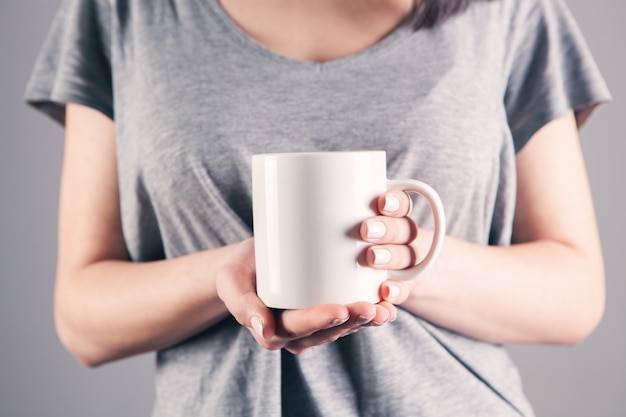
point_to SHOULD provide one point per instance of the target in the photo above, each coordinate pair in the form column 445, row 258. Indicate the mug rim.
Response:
column 316, row 153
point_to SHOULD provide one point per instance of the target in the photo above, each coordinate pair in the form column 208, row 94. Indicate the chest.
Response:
column 317, row 31
column 201, row 99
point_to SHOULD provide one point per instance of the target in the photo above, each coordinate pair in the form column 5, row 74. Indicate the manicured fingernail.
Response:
column 392, row 203
column 257, row 325
column 363, row 320
column 382, row 256
column 394, row 292
column 338, row 322
column 375, row 229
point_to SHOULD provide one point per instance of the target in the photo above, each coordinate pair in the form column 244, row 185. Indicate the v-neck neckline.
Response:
column 402, row 31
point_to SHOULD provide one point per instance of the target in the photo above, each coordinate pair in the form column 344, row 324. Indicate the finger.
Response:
column 383, row 314
column 394, row 292
column 395, row 203
column 391, row 257
column 362, row 315
column 236, row 287
column 382, row 229
column 296, row 324
column 393, row 310
column 245, row 306
column 319, row 338
column 358, row 314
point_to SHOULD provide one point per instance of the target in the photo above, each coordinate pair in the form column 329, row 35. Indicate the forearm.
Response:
column 112, row 309
column 537, row 292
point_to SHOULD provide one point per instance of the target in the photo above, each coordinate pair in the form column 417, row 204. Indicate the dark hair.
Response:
column 429, row 13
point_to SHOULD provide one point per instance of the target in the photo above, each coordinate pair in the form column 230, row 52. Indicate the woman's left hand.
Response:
column 394, row 241
column 547, row 286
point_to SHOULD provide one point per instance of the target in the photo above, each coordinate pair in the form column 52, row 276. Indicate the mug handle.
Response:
column 434, row 201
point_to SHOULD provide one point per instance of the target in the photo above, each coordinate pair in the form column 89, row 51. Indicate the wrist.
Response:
column 201, row 270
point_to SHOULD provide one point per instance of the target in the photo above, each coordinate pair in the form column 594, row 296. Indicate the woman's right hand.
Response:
column 294, row 330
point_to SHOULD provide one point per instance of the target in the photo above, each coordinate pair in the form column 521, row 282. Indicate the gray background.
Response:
column 37, row 376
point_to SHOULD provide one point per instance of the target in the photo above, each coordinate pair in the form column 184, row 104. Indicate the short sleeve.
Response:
column 74, row 64
column 551, row 70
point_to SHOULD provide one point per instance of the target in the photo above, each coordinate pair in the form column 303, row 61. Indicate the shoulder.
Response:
column 516, row 12
column 531, row 13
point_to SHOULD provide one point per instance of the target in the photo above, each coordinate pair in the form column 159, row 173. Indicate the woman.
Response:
column 163, row 104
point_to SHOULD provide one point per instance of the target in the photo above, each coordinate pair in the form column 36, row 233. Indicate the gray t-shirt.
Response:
column 193, row 97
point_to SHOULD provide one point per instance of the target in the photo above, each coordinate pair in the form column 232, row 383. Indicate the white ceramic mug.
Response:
column 306, row 207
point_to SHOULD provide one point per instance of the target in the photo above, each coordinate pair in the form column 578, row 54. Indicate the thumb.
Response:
column 236, row 287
